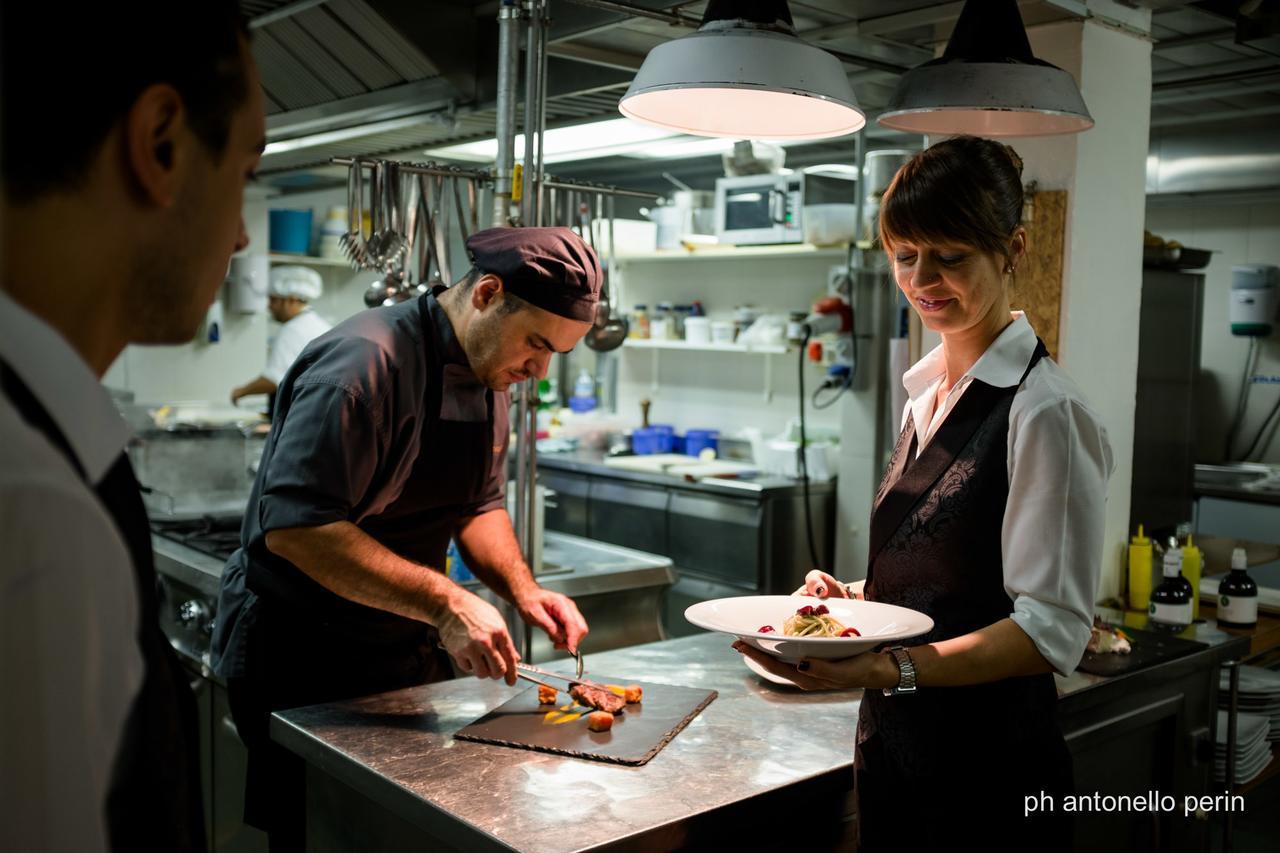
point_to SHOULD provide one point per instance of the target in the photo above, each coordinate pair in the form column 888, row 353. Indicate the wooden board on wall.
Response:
column 1037, row 286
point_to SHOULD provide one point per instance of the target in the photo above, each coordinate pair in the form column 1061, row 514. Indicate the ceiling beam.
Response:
column 416, row 98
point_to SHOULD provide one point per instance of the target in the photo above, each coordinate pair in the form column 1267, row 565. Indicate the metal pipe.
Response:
column 508, row 79
column 538, row 174
column 440, row 170
column 600, row 188
column 532, row 139
column 676, row 17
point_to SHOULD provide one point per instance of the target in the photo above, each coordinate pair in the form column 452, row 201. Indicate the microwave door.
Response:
column 750, row 214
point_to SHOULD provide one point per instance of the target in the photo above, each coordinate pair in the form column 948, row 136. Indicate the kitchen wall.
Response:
column 725, row 391
column 719, row 390
column 208, row 371
column 1237, row 233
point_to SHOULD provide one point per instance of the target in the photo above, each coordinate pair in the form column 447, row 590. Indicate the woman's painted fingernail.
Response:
column 803, row 666
column 820, row 590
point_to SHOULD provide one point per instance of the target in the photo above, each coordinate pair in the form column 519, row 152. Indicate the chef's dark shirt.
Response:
column 380, row 422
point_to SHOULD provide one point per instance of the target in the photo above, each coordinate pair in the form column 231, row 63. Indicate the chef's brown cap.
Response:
column 551, row 268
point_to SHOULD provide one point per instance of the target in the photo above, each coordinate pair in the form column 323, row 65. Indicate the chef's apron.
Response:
column 955, row 759
column 333, row 649
column 154, row 800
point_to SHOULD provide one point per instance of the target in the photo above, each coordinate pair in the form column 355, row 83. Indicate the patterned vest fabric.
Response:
column 936, row 548
column 154, row 801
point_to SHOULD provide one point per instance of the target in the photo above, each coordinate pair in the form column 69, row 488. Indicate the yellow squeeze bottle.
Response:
column 1192, row 562
column 1139, row 571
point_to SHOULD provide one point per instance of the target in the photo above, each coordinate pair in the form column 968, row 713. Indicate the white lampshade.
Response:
column 744, row 83
column 987, row 99
column 987, row 83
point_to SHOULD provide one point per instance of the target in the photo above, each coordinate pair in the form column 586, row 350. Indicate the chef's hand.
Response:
column 236, row 394
column 867, row 670
column 823, row 585
column 475, row 634
column 554, row 613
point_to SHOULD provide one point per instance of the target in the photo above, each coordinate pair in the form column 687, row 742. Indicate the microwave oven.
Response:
column 754, row 210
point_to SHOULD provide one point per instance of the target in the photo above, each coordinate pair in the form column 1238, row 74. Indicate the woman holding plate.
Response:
column 989, row 520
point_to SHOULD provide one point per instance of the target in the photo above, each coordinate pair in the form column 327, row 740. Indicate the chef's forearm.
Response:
column 261, row 385
column 998, row 651
column 348, row 562
column 488, row 544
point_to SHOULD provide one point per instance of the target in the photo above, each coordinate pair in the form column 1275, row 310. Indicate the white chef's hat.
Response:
column 299, row 282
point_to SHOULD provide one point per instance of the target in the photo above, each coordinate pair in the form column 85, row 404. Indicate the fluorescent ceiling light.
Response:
column 987, row 83
column 744, row 75
column 564, row 144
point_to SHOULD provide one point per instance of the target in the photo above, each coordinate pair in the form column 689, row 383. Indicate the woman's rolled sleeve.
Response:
column 1054, row 526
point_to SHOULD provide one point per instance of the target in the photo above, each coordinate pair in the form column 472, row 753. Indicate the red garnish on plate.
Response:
column 850, row 632
column 807, row 610
column 821, row 610
column 765, row 629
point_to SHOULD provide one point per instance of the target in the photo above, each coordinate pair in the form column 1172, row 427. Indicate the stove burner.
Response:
column 217, row 536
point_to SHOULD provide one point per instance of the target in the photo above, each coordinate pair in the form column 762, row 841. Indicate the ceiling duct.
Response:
column 1203, row 159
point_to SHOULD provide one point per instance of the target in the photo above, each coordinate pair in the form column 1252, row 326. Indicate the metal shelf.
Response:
column 729, row 253
column 309, row 260
column 656, row 344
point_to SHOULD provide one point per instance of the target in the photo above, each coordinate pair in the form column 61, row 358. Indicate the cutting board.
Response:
column 653, row 463
column 637, row 735
column 1149, row 648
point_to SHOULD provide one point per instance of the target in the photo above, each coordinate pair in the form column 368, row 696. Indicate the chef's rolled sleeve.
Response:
column 1052, row 539
column 325, row 457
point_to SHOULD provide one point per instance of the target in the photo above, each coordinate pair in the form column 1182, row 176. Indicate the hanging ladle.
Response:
column 609, row 335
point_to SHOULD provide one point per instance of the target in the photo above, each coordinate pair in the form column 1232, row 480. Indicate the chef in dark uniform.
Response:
column 390, row 439
column 990, row 519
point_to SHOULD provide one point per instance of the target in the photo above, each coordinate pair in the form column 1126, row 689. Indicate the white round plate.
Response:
column 766, row 674
column 743, row 616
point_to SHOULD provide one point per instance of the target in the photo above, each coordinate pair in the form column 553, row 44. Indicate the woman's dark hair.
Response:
column 963, row 190
column 70, row 74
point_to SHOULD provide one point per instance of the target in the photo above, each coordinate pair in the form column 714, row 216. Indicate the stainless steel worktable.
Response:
column 769, row 752
column 758, row 762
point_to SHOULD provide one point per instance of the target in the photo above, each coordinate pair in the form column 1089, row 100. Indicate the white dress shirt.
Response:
column 291, row 340
column 70, row 665
column 1059, row 463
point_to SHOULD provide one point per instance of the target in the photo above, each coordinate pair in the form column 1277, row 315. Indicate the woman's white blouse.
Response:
column 1059, row 464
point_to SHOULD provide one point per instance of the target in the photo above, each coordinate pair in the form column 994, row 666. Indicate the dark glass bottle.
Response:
column 1238, row 595
column 1172, row 601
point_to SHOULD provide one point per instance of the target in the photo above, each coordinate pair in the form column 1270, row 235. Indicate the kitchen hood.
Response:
column 387, row 77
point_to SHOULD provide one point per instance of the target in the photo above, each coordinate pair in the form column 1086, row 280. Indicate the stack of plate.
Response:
column 1253, row 751
column 1259, row 695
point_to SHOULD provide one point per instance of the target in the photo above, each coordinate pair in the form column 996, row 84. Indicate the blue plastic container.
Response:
column 666, row 437
column 659, row 438
column 697, row 440
column 290, row 231
column 644, row 441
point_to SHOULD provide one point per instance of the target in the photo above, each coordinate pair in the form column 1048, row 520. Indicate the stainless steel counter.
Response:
column 592, row 462
column 753, row 741
column 741, row 763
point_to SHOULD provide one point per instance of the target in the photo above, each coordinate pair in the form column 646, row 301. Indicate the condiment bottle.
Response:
column 1238, row 595
column 640, row 322
column 1192, row 562
column 1171, row 601
column 1139, row 571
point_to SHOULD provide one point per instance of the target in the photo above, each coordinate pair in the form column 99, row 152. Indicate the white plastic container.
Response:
column 722, row 332
column 829, row 224
column 697, row 330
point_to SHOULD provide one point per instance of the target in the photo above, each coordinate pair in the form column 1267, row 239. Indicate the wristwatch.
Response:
column 906, row 671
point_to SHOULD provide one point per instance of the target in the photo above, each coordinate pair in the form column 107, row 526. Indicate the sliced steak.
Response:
column 601, row 700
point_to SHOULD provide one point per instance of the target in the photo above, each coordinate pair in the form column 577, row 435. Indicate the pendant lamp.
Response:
column 987, row 83
column 745, row 75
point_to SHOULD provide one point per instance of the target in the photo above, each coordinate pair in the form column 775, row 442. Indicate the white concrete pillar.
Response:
column 1103, row 172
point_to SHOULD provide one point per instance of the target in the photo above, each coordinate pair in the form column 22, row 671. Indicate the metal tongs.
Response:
column 526, row 671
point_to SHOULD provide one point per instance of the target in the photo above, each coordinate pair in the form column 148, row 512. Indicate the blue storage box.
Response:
column 290, row 231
